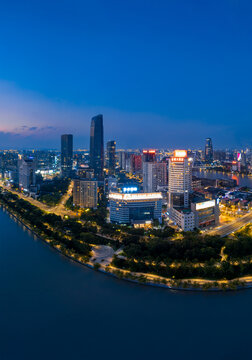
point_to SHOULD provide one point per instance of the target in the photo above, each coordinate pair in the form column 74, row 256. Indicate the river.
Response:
column 242, row 180
column 53, row 308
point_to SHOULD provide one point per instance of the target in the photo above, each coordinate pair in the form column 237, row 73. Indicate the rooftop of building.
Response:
column 135, row 196
column 84, row 179
column 198, row 197
column 183, row 210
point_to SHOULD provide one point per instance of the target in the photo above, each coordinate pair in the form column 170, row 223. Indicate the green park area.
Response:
column 158, row 251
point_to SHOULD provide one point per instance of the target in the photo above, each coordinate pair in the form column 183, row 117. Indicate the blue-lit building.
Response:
column 135, row 208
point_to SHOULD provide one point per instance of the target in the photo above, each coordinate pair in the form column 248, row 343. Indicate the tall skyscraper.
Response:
column 111, row 157
column 149, row 158
column 154, row 173
column 66, row 155
column 155, row 176
column 186, row 211
column 97, row 146
column 209, row 150
column 149, row 155
column 136, row 163
column 26, row 174
column 122, row 156
column 180, row 180
column 161, row 170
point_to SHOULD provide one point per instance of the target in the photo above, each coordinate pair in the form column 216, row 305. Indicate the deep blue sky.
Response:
column 164, row 73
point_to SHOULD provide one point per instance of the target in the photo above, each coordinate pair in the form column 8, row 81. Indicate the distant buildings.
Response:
column 122, row 157
column 136, row 208
column 154, row 173
column 26, row 174
column 220, row 155
column 136, row 163
column 66, row 155
column 85, row 173
column 149, row 156
column 97, row 146
column 110, row 184
column 85, row 193
column 149, row 183
column 209, row 150
column 111, row 157
column 161, row 175
column 149, row 159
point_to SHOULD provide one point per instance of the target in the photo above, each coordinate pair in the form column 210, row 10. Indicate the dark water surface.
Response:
column 52, row 308
column 242, row 180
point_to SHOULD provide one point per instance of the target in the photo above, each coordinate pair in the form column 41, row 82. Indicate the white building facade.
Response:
column 180, row 180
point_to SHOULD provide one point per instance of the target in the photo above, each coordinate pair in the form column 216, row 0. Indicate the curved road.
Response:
column 232, row 227
column 59, row 209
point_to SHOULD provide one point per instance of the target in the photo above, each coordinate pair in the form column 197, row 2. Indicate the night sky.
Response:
column 164, row 73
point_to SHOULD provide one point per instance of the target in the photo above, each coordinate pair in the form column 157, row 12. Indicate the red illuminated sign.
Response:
column 149, row 151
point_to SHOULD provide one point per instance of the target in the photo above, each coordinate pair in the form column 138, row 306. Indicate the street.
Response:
column 232, row 227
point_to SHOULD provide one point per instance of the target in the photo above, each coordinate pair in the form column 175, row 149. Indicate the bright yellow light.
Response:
column 180, row 153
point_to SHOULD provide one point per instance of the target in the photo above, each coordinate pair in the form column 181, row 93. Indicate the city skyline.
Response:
column 181, row 72
column 125, row 179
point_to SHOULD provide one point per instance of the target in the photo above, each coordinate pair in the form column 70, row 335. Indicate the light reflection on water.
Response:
column 242, row 180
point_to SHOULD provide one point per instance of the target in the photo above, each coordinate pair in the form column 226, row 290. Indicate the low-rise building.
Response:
column 206, row 213
column 202, row 214
column 183, row 218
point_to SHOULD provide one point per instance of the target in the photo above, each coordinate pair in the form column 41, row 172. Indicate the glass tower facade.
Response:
column 111, row 157
column 209, row 150
column 97, row 146
column 66, row 155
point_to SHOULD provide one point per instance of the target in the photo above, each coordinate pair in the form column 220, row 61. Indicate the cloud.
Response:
column 28, row 119
column 27, row 130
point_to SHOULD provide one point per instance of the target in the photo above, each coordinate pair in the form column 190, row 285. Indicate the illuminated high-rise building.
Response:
column 26, row 173
column 154, row 173
column 97, row 146
column 85, row 193
column 161, row 170
column 122, row 157
column 149, row 159
column 209, row 150
column 185, row 210
column 66, row 155
column 111, row 157
column 136, row 163
column 149, row 155
column 180, row 180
